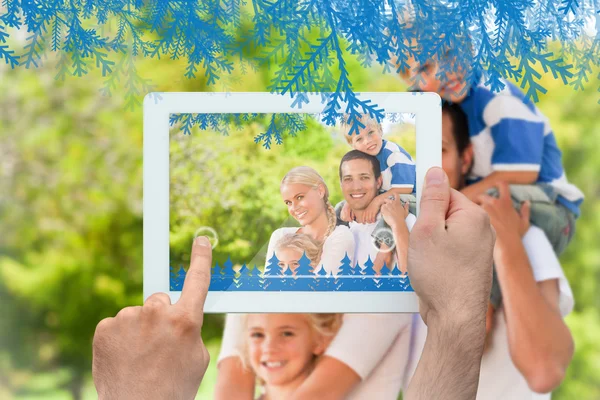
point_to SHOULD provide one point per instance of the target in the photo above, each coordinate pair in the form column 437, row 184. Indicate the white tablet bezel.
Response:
column 158, row 107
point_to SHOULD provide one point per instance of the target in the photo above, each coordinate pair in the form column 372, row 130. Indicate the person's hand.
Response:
column 346, row 214
column 394, row 211
column 370, row 214
column 450, row 256
column 505, row 219
column 471, row 193
column 155, row 351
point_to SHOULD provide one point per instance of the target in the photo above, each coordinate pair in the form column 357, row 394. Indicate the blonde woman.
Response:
column 306, row 196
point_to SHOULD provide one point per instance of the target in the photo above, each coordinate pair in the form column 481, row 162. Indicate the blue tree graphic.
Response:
column 179, row 279
column 385, row 280
column 253, row 279
column 228, row 276
column 216, row 278
column 321, row 281
column 172, row 276
column 345, row 273
column 368, row 282
column 242, row 281
column 288, row 280
column 396, row 274
column 304, row 274
column 272, row 274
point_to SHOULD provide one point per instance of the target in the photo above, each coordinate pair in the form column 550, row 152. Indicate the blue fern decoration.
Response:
column 307, row 43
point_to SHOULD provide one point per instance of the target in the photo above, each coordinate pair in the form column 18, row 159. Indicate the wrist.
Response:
column 507, row 243
column 465, row 330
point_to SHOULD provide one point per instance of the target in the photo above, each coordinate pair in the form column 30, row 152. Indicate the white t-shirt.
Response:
column 339, row 243
column 375, row 346
column 499, row 379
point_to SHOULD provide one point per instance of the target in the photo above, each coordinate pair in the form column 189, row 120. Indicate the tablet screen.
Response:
column 292, row 204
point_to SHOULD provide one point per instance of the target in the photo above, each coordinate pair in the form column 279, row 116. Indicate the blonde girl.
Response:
column 282, row 349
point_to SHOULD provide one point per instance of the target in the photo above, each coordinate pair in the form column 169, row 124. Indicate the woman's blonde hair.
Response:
column 324, row 325
column 302, row 243
column 309, row 177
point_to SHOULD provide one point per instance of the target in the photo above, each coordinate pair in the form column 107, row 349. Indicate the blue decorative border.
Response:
column 273, row 278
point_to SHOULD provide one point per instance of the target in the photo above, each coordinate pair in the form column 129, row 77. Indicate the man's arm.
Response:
column 540, row 343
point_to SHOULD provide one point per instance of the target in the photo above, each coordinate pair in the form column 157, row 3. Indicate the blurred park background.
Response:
column 71, row 217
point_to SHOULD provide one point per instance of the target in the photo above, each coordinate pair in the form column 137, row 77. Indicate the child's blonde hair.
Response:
column 302, row 243
column 309, row 177
column 325, row 325
column 365, row 119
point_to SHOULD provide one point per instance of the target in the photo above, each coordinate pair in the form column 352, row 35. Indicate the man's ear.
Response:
column 379, row 182
column 466, row 160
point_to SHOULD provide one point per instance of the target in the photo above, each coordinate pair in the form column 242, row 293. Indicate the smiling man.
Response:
column 361, row 179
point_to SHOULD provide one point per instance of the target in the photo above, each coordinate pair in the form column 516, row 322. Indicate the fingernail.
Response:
column 202, row 241
column 435, row 176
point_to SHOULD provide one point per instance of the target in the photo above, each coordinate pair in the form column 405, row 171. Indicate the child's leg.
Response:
column 557, row 222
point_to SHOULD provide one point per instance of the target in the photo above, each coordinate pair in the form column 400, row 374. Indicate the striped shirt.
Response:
column 398, row 169
column 509, row 133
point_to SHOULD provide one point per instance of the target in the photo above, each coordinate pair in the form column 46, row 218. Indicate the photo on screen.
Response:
column 292, row 204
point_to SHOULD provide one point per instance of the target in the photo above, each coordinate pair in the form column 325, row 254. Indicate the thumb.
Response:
column 434, row 200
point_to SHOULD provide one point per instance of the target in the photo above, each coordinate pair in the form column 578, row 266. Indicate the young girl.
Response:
column 282, row 349
column 290, row 247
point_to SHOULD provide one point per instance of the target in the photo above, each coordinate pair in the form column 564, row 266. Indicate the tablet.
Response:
column 298, row 211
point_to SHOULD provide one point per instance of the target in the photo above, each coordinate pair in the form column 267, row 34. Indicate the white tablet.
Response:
column 292, row 205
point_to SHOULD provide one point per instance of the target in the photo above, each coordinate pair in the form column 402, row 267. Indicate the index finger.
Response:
column 197, row 280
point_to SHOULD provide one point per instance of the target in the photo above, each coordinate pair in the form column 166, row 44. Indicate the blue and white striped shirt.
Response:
column 509, row 133
column 398, row 169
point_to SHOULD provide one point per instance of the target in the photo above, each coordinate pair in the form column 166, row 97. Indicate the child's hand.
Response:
column 394, row 212
column 346, row 215
column 370, row 214
column 504, row 218
column 472, row 193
